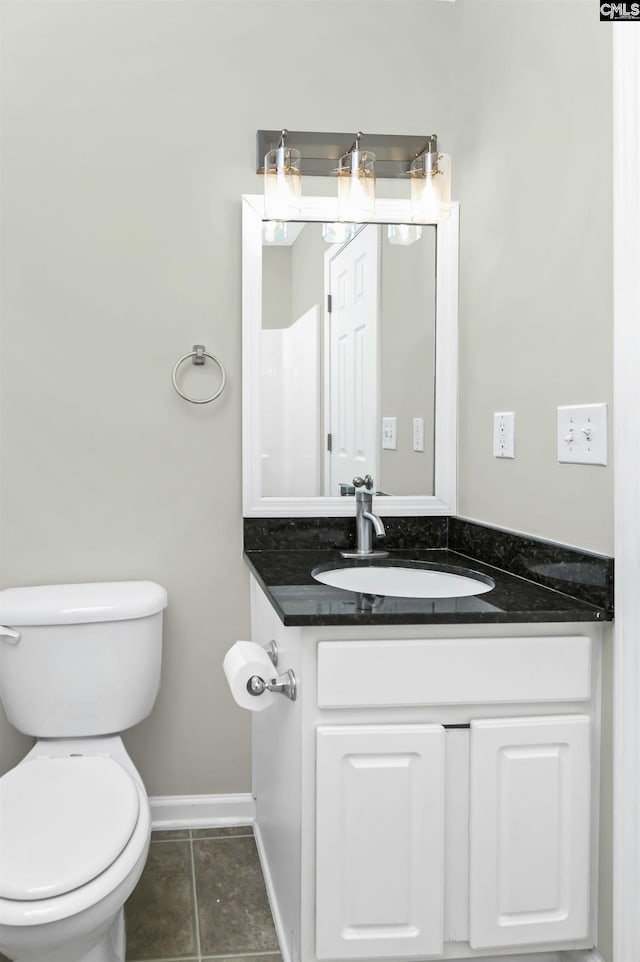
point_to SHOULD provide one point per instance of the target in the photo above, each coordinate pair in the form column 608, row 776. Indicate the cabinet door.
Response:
column 380, row 841
column 530, row 832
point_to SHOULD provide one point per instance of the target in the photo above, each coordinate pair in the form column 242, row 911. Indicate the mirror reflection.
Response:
column 347, row 358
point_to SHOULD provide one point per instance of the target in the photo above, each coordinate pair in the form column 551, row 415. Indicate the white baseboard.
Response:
column 201, row 811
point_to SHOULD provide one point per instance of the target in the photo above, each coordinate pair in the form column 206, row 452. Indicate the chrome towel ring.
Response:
column 198, row 354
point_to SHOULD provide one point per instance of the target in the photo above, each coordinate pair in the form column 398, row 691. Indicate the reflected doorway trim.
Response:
column 626, row 310
column 322, row 209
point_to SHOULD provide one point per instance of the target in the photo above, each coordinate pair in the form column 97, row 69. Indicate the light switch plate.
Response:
column 504, row 434
column 582, row 434
column 390, row 434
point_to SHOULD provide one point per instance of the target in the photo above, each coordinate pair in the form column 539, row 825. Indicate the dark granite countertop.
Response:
column 284, row 573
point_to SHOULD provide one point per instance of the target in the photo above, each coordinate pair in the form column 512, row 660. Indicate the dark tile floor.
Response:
column 201, row 896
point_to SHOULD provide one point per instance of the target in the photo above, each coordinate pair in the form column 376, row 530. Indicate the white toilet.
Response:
column 78, row 664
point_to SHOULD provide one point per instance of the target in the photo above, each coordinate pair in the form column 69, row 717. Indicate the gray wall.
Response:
column 408, row 360
column 533, row 88
column 128, row 138
column 276, row 287
column 307, row 272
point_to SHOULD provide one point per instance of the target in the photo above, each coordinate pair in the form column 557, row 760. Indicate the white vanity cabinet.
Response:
column 432, row 792
column 381, row 856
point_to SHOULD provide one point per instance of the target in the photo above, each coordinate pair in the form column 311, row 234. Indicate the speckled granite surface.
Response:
column 269, row 534
column 578, row 573
column 535, row 581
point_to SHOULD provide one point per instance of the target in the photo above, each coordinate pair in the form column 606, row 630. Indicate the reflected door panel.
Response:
column 352, row 380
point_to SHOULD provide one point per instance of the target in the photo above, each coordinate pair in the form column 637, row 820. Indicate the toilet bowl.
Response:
column 75, row 822
column 97, row 829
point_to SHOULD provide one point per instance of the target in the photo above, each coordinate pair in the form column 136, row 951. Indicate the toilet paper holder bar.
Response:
column 284, row 684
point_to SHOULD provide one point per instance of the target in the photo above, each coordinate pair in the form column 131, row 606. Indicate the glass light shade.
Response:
column 273, row 231
column 356, row 186
column 338, row 233
column 430, row 187
column 403, row 234
column 282, row 184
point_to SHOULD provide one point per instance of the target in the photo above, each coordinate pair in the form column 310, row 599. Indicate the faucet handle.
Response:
column 366, row 482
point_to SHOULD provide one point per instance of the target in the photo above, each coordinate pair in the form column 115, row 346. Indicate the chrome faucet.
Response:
column 367, row 523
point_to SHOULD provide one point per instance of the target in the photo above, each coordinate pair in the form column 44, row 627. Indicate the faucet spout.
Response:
column 368, row 524
column 378, row 526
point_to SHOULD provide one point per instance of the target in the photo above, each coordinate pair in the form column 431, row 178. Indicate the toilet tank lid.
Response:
column 81, row 603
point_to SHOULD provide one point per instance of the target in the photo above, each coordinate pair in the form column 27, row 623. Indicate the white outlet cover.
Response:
column 504, row 434
column 390, row 434
column 582, row 434
column 418, row 434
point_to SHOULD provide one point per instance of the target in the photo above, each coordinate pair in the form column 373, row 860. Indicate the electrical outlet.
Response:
column 390, row 434
column 418, row 434
column 504, row 434
column 582, row 434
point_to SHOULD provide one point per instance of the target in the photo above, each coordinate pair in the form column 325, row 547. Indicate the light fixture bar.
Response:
column 322, row 151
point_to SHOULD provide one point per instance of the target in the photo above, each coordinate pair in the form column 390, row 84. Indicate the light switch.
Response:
column 582, row 434
column 390, row 434
column 504, row 434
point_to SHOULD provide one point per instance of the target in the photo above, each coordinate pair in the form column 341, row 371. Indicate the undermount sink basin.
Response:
column 403, row 581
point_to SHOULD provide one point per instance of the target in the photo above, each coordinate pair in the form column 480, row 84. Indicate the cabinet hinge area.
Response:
column 329, row 442
column 329, row 303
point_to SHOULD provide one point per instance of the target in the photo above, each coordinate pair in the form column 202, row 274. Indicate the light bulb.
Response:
column 430, row 187
column 282, row 183
column 356, row 186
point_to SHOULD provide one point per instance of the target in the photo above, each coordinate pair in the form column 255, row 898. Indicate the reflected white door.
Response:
column 354, row 409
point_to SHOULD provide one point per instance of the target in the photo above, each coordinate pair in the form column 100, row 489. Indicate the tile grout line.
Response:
column 195, row 898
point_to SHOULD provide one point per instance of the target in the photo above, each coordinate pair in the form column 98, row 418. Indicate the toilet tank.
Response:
column 87, row 659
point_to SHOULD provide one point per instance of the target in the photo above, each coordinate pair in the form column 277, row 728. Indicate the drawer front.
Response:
column 453, row 671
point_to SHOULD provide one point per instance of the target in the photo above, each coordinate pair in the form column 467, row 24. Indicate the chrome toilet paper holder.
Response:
column 284, row 684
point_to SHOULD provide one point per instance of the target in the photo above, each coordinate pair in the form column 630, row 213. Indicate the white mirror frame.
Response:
column 443, row 501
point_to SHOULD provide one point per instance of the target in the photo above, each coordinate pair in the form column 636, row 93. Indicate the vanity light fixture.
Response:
column 430, row 174
column 320, row 154
column 356, row 184
column 403, row 234
column 282, row 181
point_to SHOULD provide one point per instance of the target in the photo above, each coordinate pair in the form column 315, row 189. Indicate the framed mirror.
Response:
column 349, row 361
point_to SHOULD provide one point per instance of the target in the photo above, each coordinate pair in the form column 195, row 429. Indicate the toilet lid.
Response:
column 63, row 821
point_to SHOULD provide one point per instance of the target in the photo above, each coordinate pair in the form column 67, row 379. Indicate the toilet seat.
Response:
column 65, row 820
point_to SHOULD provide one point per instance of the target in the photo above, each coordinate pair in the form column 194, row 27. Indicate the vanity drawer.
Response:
column 453, row 671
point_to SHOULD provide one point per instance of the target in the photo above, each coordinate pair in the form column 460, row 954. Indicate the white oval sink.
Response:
column 402, row 582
